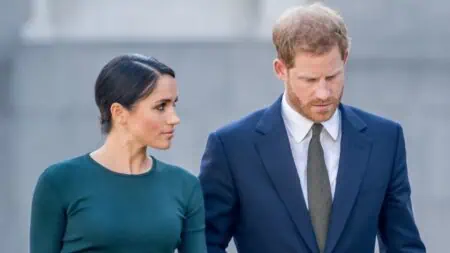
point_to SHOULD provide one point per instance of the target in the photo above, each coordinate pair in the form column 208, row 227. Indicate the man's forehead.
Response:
column 305, row 71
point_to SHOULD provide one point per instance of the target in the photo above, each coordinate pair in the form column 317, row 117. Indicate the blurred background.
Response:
column 52, row 50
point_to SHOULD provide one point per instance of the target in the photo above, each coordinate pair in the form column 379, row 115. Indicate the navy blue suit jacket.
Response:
column 252, row 191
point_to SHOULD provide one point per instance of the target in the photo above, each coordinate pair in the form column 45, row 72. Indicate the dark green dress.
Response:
column 80, row 206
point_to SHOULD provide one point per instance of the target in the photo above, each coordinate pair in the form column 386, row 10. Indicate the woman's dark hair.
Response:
column 126, row 79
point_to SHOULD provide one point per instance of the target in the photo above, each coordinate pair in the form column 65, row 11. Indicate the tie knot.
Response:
column 316, row 129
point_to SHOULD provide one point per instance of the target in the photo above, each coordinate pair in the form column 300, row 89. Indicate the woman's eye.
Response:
column 161, row 107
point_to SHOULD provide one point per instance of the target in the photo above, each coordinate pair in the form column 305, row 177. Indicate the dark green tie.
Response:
column 319, row 191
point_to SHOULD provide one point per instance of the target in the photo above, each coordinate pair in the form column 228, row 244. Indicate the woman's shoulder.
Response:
column 182, row 181
column 64, row 169
column 177, row 172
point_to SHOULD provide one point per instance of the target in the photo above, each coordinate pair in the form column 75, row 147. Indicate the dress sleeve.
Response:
column 193, row 235
column 48, row 219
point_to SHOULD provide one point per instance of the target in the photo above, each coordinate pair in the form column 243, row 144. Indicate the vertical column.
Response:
column 39, row 25
column 8, row 218
column 141, row 20
column 270, row 10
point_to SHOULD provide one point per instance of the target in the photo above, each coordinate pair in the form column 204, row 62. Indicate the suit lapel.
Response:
column 355, row 151
column 274, row 149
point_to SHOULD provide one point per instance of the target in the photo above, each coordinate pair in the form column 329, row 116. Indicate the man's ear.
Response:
column 280, row 69
column 345, row 58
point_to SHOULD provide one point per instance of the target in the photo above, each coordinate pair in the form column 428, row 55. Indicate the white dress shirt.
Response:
column 299, row 133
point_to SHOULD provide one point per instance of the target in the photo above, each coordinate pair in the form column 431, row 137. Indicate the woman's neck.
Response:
column 123, row 156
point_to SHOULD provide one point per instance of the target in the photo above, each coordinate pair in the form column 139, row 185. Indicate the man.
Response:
column 308, row 173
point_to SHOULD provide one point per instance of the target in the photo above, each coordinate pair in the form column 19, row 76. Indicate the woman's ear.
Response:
column 118, row 113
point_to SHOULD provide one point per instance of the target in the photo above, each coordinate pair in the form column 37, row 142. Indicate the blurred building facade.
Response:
column 52, row 50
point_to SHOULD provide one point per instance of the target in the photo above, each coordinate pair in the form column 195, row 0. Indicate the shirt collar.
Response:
column 298, row 126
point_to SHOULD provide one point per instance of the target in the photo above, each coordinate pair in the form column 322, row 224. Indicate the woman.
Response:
column 117, row 198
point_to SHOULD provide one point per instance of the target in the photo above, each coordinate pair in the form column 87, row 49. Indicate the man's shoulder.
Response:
column 371, row 118
column 243, row 125
column 377, row 125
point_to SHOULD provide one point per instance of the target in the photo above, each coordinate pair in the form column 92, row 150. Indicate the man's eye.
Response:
column 329, row 78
